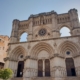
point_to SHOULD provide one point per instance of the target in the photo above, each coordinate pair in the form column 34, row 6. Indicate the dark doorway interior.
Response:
column 47, row 67
column 40, row 68
column 70, row 67
column 20, row 68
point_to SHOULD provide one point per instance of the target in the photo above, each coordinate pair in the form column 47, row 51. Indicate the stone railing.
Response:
column 78, row 71
column 30, row 72
column 58, row 71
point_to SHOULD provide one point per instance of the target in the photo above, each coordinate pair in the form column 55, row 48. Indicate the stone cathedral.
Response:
column 45, row 55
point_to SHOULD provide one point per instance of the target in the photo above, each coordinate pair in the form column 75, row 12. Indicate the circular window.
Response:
column 67, row 52
column 42, row 32
column 21, row 56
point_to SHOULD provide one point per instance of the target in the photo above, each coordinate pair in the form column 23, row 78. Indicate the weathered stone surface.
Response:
column 44, row 43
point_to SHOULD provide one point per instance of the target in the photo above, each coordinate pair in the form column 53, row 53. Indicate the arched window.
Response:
column 65, row 32
column 23, row 37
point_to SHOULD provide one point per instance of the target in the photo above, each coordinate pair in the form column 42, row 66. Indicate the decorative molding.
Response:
column 6, row 59
column 56, row 55
column 29, row 57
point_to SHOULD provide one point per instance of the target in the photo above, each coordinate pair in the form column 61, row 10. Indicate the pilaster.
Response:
column 56, row 33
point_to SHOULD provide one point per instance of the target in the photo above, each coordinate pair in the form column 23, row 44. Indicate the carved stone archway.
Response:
column 44, row 61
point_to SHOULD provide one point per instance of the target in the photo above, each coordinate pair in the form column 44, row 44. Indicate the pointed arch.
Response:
column 23, row 37
column 16, row 52
column 68, row 45
column 39, row 47
column 67, row 25
column 64, row 31
column 20, row 33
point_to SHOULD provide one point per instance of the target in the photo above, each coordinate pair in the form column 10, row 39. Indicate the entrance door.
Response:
column 20, row 68
column 40, row 68
column 47, row 67
column 70, row 67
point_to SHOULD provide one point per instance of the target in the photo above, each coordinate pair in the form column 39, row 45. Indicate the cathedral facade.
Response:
column 45, row 54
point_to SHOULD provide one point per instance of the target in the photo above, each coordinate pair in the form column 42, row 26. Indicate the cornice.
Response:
column 45, row 39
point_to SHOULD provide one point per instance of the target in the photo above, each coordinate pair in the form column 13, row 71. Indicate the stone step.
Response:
column 72, row 78
column 48, row 78
column 42, row 78
column 20, row 78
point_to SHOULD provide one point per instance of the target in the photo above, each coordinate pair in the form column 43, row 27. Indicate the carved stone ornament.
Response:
column 42, row 32
column 29, row 46
column 55, row 45
column 7, row 58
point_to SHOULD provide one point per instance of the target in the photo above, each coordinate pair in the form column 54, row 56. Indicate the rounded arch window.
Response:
column 23, row 37
column 42, row 32
column 68, row 52
column 21, row 56
column 64, row 31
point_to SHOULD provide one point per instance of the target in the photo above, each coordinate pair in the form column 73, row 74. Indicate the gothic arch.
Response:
column 68, row 45
column 21, row 32
column 16, row 52
column 64, row 25
column 39, row 47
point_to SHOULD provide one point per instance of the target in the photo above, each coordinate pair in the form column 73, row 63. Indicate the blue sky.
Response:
column 22, row 9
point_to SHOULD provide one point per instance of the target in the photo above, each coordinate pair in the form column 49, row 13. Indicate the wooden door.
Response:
column 40, row 68
column 70, row 67
column 47, row 67
column 20, row 68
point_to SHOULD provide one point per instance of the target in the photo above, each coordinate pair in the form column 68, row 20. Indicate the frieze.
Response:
column 29, row 57
column 56, row 55
column 7, row 58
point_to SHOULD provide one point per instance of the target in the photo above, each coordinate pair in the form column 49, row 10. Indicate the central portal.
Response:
column 43, row 68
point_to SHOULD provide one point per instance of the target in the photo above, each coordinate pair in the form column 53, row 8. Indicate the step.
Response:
column 20, row 78
column 48, row 78
column 42, row 78
column 72, row 78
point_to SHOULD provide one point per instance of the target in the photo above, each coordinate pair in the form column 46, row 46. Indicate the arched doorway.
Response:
column 42, row 51
column 70, row 67
column 47, row 67
column 40, row 68
column 20, row 68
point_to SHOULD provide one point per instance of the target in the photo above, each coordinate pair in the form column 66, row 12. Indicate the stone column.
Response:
column 27, row 67
column 56, row 33
column 30, row 29
column 43, row 67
